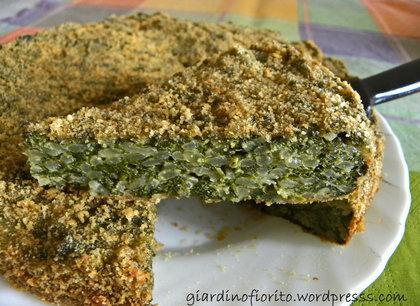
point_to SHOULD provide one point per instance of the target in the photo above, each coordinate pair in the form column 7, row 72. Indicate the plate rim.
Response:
column 406, row 204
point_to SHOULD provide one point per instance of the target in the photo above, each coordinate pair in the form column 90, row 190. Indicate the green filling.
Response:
column 308, row 169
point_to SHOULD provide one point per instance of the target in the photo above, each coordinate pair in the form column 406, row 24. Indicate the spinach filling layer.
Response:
column 311, row 168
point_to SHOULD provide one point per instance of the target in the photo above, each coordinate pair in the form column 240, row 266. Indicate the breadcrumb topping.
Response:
column 269, row 90
column 75, row 249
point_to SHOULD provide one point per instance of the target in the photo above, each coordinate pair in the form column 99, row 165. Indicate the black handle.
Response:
column 394, row 83
column 389, row 85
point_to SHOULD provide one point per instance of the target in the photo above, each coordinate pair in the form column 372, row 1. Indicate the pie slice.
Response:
column 44, row 75
column 265, row 123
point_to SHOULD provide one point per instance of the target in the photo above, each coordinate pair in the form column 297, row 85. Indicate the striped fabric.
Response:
column 368, row 35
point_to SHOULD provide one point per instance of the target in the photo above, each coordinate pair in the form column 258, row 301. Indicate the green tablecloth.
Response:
column 368, row 35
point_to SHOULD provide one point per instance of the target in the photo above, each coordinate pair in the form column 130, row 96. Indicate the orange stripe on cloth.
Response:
column 131, row 4
column 283, row 10
column 17, row 33
column 205, row 6
column 396, row 17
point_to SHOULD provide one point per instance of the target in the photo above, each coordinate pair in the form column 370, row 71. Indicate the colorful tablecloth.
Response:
column 368, row 35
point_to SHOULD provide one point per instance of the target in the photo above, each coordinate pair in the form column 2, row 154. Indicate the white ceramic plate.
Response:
column 230, row 249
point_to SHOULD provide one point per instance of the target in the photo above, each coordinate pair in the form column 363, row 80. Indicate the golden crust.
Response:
column 269, row 90
column 75, row 249
column 367, row 185
column 336, row 66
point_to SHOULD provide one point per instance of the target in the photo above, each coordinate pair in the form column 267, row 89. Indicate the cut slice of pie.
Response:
column 75, row 249
column 265, row 123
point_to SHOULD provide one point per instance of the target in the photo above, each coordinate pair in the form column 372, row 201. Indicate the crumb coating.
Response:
column 75, row 249
column 268, row 90
column 334, row 65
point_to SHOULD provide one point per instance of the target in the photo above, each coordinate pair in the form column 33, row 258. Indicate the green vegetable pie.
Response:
column 273, row 123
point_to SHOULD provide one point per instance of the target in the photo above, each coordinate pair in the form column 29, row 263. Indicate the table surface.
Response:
column 368, row 35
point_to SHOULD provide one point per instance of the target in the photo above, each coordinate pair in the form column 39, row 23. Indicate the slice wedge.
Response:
column 265, row 123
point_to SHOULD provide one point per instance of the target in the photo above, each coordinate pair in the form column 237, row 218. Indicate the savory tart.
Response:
column 46, row 248
column 56, row 73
